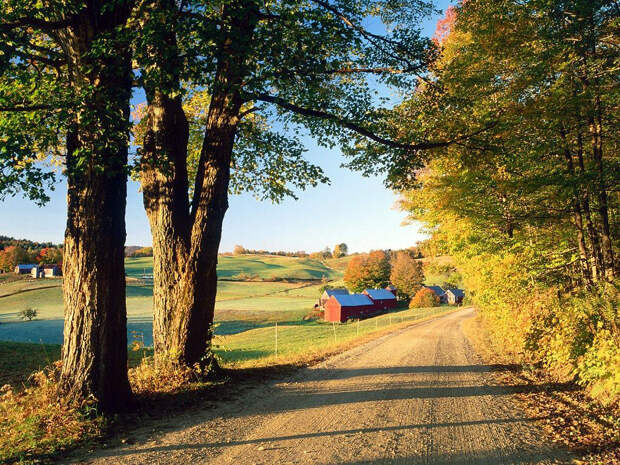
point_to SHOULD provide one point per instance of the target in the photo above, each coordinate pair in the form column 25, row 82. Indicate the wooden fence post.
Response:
column 276, row 339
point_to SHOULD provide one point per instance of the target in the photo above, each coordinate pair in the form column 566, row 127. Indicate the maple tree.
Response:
column 406, row 274
column 368, row 271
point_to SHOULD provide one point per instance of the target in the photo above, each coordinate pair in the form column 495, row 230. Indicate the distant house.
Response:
column 392, row 289
column 330, row 292
column 342, row 307
column 24, row 269
column 455, row 296
column 46, row 271
column 439, row 292
column 382, row 298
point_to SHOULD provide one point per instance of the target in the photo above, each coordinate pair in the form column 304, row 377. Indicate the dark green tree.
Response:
column 298, row 66
column 65, row 86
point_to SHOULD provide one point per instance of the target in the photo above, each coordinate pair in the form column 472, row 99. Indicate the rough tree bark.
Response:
column 186, row 240
column 94, row 358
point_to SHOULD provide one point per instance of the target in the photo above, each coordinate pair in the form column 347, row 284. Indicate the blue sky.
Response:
column 353, row 209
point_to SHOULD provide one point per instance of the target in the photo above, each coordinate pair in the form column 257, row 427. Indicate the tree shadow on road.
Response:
column 403, row 370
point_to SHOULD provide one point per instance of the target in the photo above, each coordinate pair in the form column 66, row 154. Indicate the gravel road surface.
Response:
column 418, row 395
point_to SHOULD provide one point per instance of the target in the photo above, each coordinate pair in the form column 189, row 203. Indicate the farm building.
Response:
column 25, row 268
column 455, row 296
column 46, row 271
column 439, row 292
column 382, row 298
column 330, row 292
column 392, row 289
column 342, row 307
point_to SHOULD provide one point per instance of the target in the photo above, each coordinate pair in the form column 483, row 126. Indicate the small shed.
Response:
column 392, row 289
column 25, row 268
column 342, row 307
column 439, row 292
column 330, row 292
column 455, row 296
column 47, row 271
column 382, row 298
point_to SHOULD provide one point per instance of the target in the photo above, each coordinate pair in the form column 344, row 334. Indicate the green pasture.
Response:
column 253, row 347
column 273, row 267
column 252, row 267
column 240, row 305
column 26, row 284
column 258, row 346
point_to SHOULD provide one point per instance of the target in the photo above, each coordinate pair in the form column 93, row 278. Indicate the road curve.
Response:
column 419, row 395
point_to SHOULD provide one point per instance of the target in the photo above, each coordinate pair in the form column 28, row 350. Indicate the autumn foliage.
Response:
column 406, row 274
column 368, row 271
column 424, row 298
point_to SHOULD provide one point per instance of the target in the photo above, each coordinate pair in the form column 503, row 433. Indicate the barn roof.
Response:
column 26, row 266
column 340, row 291
column 353, row 300
column 436, row 289
column 457, row 292
column 380, row 294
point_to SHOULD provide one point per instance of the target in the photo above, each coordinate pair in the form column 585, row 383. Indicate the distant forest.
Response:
column 6, row 241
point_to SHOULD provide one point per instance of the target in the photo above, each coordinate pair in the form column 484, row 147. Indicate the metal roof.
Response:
column 457, row 292
column 26, row 266
column 436, row 289
column 340, row 291
column 353, row 300
column 380, row 294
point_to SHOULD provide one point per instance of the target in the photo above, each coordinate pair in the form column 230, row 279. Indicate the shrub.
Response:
column 424, row 298
column 28, row 314
column 316, row 313
column 37, row 422
column 152, row 378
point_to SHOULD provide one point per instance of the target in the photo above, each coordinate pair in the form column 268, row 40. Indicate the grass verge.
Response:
column 572, row 419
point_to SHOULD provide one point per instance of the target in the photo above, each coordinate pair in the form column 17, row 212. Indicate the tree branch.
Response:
column 346, row 124
column 375, row 39
column 18, row 108
column 380, row 70
column 37, row 23
column 248, row 111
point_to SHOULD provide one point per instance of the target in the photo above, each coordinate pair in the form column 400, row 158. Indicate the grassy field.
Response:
column 257, row 347
column 251, row 348
column 241, row 305
column 268, row 267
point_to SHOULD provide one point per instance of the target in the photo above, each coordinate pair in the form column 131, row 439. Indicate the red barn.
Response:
column 342, row 307
column 382, row 298
column 392, row 289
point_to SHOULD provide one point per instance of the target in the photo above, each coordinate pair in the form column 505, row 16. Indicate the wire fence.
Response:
column 285, row 340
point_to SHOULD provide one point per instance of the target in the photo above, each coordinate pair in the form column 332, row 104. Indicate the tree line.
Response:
column 380, row 268
column 340, row 250
column 14, row 255
column 219, row 78
column 530, row 205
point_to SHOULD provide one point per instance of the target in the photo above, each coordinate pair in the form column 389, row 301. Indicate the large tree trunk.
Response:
column 95, row 335
column 186, row 243
column 164, row 184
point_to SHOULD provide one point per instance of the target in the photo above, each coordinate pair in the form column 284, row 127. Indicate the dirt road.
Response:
column 416, row 396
